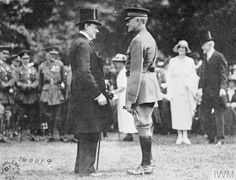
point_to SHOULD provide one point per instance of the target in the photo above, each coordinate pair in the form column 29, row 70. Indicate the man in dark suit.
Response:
column 91, row 110
column 143, row 90
column 212, row 88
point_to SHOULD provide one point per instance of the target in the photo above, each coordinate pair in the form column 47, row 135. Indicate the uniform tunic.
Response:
column 27, row 81
column 182, row 82
column 142, row 85
column 7, row 77
column 51, row 76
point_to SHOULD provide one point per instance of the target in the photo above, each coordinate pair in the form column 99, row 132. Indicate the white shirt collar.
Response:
column 210, row 53
column 86, row 35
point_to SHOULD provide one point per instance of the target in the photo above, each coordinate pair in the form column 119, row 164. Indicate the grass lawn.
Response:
column 55, row 160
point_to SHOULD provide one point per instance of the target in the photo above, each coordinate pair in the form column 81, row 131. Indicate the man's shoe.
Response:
column 50, row 139
column 33, row 138
column 63, row 139
column 220, row 142
column 128, row 138
column 211, row 141
column 141, row 170
column 96, row 174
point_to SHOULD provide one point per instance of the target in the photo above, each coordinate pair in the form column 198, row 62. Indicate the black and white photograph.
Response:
column 117, row 89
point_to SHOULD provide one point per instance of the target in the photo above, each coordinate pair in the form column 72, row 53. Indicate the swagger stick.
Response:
column 98, row 151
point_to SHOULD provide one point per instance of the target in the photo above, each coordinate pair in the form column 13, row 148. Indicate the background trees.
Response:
column 36, row 24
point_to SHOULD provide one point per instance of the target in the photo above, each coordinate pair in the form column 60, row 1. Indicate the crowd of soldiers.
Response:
column 33, row 98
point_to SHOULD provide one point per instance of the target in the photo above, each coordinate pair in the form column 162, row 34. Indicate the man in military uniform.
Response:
column 52, row 85
column 26, row 98
column 7, row 81
column 143, row 89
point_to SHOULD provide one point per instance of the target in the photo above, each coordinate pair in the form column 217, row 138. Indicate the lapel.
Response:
column 212, row 57
column 89, row 42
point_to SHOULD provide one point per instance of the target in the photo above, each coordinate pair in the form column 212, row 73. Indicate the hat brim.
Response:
column 89, row 21
column 175, row 49
column 203, row 42
column 118, row 60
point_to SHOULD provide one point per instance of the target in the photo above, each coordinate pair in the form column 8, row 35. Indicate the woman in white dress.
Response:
column 125, row 119
column 182, row 83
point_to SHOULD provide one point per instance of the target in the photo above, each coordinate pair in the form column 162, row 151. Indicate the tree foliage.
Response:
column 36, row 23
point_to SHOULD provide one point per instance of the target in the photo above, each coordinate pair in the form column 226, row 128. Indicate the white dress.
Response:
column 125, row 119
column 182, row 83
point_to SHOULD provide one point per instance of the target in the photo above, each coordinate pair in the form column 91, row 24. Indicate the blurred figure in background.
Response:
column 230, row 112
column 125, row 119
column 52, row 85
column 182, row 82
column 7, row 81
column 27, row 81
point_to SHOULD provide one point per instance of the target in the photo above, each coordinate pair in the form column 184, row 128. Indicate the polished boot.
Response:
column 146, row 166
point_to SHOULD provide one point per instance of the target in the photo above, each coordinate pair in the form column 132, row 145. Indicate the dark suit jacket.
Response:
column 87, row 84
column 213, row 77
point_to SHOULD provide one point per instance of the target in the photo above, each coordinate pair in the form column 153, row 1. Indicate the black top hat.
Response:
column 206, row 36
column 88, row 15
column 136, row 12
column 24, row 52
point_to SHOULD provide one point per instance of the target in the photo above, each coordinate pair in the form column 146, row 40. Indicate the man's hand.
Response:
column 222, row 92
column 128, row 106
column 199, row 92
column 101, row 100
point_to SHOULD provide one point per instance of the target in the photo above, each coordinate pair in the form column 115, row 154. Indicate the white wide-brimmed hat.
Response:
column 119, row 57
column 182, row 43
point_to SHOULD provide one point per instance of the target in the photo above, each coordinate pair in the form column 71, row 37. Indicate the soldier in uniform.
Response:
column 52, row 86
column 142, row 86
column 27, row 81
column 7, row 82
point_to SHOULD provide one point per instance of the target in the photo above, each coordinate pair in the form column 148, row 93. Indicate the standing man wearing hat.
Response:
column 7, row 82
column 27, row 81
column 125, row 119
column 212, row 88
column 52, row 85
column 142, row 86
column 91, row 110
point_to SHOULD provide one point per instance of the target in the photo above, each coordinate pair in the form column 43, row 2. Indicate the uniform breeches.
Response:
column 143, row 119
column 51, row 115
column 212, row 120
column 27, row 116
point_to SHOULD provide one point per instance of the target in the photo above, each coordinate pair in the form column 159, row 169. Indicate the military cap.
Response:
column 4, row 48
column 15, row 57
column 88, row 15
column 52, row 50
column 24, row 53
column 136, row 12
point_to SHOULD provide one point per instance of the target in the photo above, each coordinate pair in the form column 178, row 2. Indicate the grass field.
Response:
column 55, row 160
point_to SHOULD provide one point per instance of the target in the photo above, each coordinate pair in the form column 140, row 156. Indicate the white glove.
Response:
column 222, row 92
column 101, row 100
